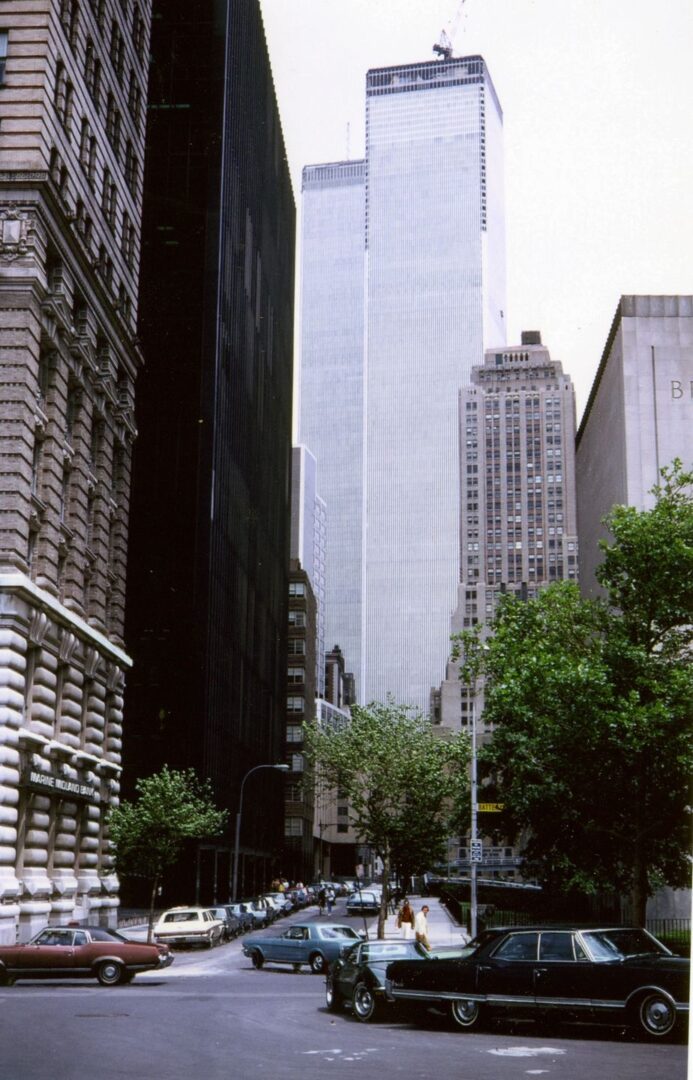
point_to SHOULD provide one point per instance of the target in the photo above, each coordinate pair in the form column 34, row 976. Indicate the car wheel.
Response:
column 317, row 963
column 365, row 1004
column 333, row 998
column 110, row 973
column 257, row 958
column 656, row 1014
column 466, row 1014
column 5, row 979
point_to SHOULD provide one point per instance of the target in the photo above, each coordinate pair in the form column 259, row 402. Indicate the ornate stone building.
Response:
column 72, row 92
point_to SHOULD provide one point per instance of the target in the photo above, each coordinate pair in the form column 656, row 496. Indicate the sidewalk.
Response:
column 442, row 929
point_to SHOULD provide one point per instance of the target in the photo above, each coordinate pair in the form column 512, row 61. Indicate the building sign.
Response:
column 54, row 783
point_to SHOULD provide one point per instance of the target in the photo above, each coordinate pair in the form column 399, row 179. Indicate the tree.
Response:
column 403, row 779
column 148, row 834
column 591, row 705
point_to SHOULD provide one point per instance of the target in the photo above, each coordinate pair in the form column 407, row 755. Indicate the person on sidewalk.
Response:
column 405, row 920
column 421, row 926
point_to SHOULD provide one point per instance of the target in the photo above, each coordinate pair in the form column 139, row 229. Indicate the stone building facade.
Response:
column 72, row 96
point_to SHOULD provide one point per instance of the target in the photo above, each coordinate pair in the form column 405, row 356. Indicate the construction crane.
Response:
column 443, row 46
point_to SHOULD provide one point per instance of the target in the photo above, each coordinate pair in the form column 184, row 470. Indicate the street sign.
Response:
column 490, row 807
column 476, row 853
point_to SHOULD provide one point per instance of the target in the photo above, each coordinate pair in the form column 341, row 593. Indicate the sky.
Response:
column 596, row 96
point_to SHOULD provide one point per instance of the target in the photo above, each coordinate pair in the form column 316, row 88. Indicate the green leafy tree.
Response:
column 148, row 834
column 591, row 703
column 405, row 782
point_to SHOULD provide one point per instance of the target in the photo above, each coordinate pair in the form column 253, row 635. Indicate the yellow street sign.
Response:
column 490, row 807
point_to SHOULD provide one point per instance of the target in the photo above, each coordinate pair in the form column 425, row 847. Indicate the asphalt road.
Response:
column 212, row 1016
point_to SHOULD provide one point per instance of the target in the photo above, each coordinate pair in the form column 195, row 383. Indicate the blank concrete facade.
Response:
column 639, row 415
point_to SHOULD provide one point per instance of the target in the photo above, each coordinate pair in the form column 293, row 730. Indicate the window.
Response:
column 518, row 947
column 117, row 49
column 294, row 733
column 69, row 18
column 297, row 646
column 296, row 675
column 127, row 240
column 295, row 703
column 4, row 35
column 134, row 99
column 297, row 618
column 138, row 32
column 297, row 588
column 293, row 826
column 109, row 198
column 63, row 98
column 131, row 168
column 296, row 762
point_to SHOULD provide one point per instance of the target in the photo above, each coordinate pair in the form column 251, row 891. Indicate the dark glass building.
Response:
column 209, row 545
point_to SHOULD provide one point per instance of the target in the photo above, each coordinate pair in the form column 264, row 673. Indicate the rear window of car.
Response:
column 99, row 933
column 181, row 916
column 332, row 932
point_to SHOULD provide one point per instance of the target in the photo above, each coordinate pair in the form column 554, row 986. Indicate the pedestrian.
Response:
column 405, row 920
column 421, row 926
column 322, row 898
column 330, row 897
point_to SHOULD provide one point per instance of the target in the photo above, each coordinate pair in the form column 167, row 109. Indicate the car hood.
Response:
column 678, row 964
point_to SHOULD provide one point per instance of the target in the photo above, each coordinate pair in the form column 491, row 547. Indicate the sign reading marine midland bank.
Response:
column 52, row 783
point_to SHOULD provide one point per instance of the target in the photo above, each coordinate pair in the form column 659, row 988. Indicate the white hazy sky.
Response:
column 597, row 98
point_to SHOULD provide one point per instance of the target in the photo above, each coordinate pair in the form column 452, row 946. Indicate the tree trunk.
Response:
column 152, row 902
column 382, row 915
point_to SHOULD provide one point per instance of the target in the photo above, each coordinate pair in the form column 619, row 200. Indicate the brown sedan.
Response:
column 66, row 952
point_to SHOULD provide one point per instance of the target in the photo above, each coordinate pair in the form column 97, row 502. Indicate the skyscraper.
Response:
column 308, row 539
column 73, row 81
column 208, row 583
column 432, row 274
column 332, row 361
column 518, row 521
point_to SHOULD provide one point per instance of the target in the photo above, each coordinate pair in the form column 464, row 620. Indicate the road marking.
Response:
column 525, row 1051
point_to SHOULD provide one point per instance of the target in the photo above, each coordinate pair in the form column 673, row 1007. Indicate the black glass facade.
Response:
column 209, row 546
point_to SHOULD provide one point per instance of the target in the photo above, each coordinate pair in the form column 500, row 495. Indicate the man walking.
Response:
column 421, row 926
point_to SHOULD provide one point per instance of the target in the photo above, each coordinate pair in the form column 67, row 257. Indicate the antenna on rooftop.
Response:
column 444, row 45
column 348, row 141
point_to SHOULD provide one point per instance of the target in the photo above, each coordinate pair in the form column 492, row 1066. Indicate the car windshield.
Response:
column 619, row 944
column 331, row 932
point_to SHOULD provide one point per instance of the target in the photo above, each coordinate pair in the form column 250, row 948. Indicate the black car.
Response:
column 357, row 977
column 617, row 973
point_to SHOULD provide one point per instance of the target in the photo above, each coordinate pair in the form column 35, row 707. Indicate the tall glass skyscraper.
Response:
column 433, row 273
column 332, row 382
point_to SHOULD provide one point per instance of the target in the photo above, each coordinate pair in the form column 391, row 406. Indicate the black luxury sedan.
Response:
column 618, row 974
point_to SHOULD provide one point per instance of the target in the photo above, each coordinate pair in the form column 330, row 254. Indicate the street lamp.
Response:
column 234, row 885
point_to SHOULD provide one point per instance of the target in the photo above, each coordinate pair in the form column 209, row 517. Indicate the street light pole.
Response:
column 236, row 849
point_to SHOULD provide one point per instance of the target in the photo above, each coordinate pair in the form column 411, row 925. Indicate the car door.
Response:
column 506, row 977
column 563, row 972
column 290, row 946
column 51, row 951
column 348, row 971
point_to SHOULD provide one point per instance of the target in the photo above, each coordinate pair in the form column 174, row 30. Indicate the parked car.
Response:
column 243, row 915
column 618, row 973
column 315, row 944
column 189, row 926
column 232, row 924
column 82, row 952
column 277, row 902
column 357, row 977
column 365, row 902
column 260, row 914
